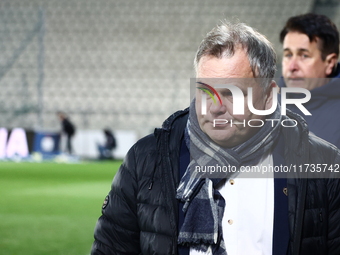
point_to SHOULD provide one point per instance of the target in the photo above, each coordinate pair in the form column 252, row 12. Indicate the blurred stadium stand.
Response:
column 121, row 64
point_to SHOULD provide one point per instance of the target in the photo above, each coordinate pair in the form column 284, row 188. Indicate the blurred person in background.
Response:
column 157, row 205
column 68, row 128
column 105, row 151
column 310, row 53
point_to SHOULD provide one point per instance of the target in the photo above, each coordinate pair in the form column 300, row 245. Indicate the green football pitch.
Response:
column 50, row 208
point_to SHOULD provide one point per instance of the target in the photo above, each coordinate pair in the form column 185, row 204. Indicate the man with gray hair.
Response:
column 181, row 190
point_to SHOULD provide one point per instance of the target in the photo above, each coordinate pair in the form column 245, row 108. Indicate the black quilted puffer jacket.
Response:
column 140, row 215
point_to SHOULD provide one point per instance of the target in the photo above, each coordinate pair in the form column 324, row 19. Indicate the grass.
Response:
column 50, row 208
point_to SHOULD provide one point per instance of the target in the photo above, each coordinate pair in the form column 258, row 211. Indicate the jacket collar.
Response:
column 169, row 122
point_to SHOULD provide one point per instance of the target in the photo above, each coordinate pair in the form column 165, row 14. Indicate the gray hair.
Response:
column 222, row 40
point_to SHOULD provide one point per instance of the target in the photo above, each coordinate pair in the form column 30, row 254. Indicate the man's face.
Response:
column 61, row 116
column 236, row 67
column 302, row 60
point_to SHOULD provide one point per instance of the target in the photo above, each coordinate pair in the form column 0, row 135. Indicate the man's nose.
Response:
column 217, row 109
column 293, row 65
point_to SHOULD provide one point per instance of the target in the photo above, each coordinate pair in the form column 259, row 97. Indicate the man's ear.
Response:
column 330, row 62
column 269, row 95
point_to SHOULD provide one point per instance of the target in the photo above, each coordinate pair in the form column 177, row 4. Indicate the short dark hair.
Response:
column 315, row 25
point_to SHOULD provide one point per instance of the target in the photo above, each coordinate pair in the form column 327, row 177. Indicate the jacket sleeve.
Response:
column 334, row 207
column 117, row 230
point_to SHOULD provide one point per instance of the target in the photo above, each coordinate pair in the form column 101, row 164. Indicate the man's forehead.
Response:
column 220, row 83
column 236, row 66
column 300, row 41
